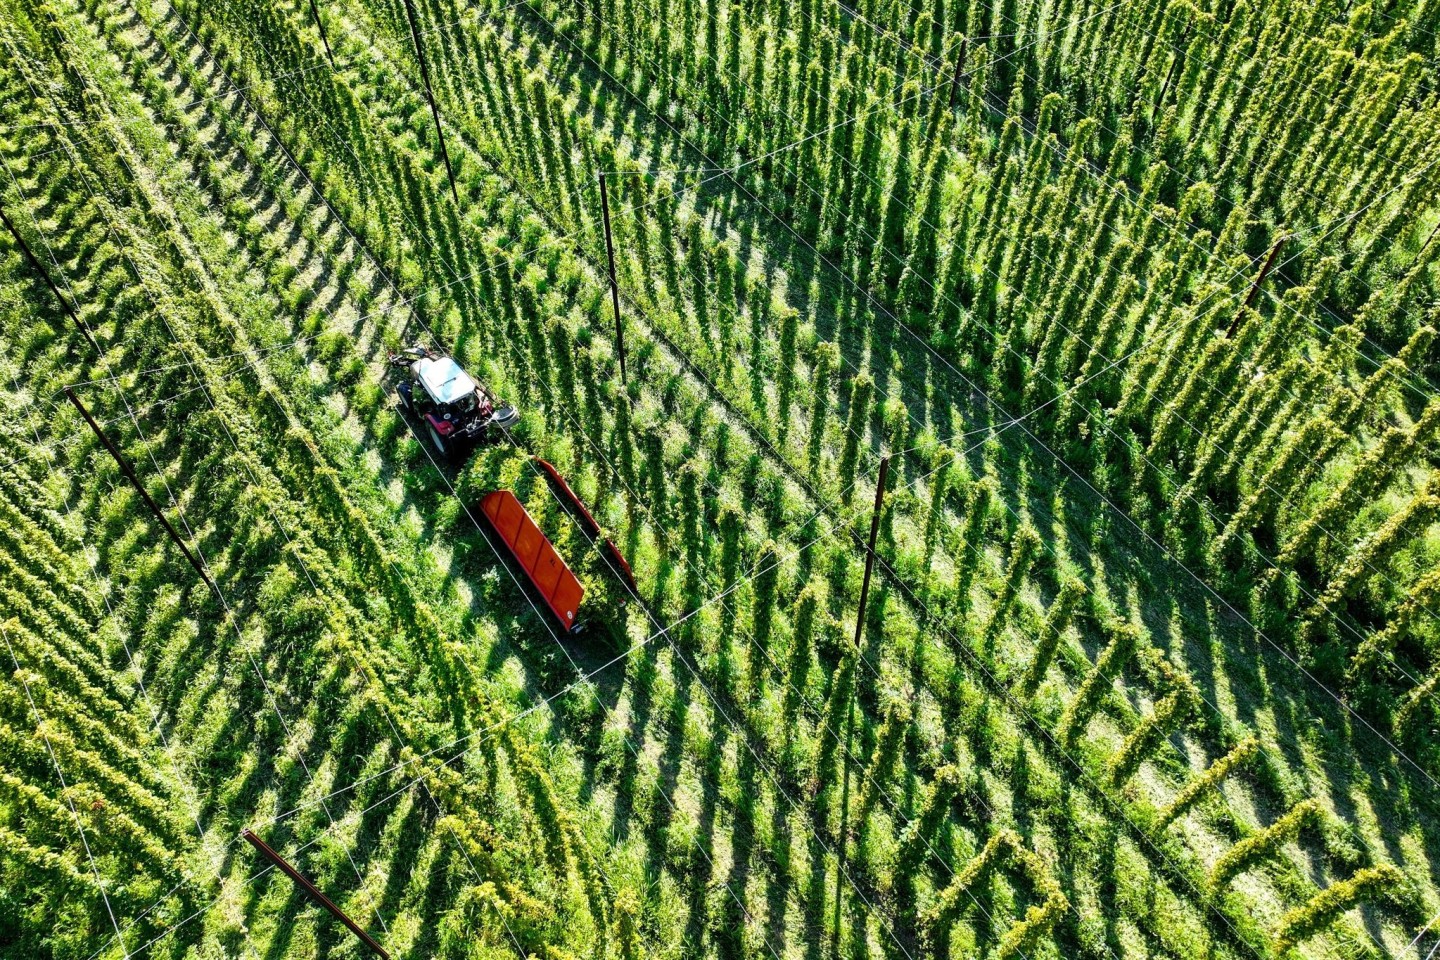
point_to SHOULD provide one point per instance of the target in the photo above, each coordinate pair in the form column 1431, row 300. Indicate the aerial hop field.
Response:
column 998, row 443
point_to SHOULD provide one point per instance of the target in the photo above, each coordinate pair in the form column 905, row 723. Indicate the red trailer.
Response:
column 617, row 559
column 535, row 554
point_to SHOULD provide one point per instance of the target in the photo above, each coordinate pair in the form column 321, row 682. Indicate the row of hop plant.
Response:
column 62, row 701
column 35, row 568
column 726, row 527
column 560, row 354
column 62, row 704
column 864, row 33
column 563, row 357
column 1265, row 843
column 125, row 825
column 292, row 435
column 281, row 422
column 721, row 290
column 1101, row 78
column 281, row 428
column 532, row 341
column 1176, row 696
column 90, row 718
column 1208, row 781
column 82, row 687
column 1169, row 711
column 886, row 743
column 538, row 788
column 1004, row 848
column 1195, row 393
column 1367, row 885
column 1270, row 337
column 31, row 863
column 1381, row 883
column 1134, row 753
column 1180, row 699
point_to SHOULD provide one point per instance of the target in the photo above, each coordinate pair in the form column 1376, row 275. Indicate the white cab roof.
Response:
column 444, row 380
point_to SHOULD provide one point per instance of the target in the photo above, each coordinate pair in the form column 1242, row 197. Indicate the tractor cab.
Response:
column 455, row 408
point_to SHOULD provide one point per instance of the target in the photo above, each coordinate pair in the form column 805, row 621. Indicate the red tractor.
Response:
column 457, row 410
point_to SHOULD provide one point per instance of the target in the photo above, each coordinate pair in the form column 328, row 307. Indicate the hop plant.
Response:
column 1124, row 638
column 837, row 703
column 1172, row 710
column 1025, row 935
column 1022, row 554
column 767, row 584
column 862, row 388
column 944, row 462
column 627, row 925
column 1057, row 618
column 915, row 841
column 1022, row 937
column 888, row 743
column 1324, row 908
column 1265, row 843
column 827, row 359
column 937, row 920
column 977, row 514
column 1210, row 780
column 785, row 376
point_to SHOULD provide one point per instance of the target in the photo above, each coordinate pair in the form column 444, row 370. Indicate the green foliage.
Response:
column 627, row 921
column 837, row 706
column 1023, row 550
column 1418, row 698
column 1027, row 933
column 827, row 361
column 1265, row 843
column 1057, row 619
column 941, row 915
column 920, row 836
column 1375, row 551
column 1209, row 780
column 1122, row 641
column 889, row 741
column 766, row 586
column 857, row 424
column 978, row 500
column 1304, row 922
column 1169, row 712
column 1022, row 936
column 943, row 463
column 1049, row 233
column 789, row 320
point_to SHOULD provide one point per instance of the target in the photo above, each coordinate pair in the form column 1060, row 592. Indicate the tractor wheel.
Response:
column 441, row 446
column 404, row 394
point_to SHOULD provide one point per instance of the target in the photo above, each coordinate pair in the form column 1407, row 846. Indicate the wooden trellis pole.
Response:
column 313, row 892
column 959, row 69
column 134, row 479
column 45, row 274
column 1255, row 287
column 430, row 96
column 324, row 38
column 870, row 550
column 850, row 716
